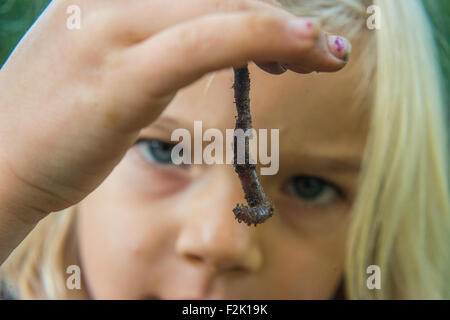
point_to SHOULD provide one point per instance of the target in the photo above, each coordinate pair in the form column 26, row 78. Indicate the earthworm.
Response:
column 259, row 208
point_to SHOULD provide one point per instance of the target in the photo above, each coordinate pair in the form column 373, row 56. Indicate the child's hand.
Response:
column 73, row 101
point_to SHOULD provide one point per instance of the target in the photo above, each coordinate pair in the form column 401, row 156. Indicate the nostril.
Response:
column 194, row 258
column 238, row 269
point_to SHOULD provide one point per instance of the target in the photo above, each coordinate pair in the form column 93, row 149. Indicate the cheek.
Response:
column 138, row 179
column 123, row 229
column 305, row 266
column 312, row 221
column 118, row 248
column 309, row 274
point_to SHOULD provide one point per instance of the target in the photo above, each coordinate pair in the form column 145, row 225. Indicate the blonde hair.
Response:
column 401, row 218
column 36, row 269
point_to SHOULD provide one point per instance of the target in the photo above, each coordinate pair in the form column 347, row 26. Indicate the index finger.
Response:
column 183, row 53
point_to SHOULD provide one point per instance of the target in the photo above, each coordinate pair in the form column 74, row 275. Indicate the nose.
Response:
column 210, row 234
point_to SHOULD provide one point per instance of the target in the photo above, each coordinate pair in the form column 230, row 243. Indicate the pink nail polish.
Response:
column 339, row 43
column 339, row 47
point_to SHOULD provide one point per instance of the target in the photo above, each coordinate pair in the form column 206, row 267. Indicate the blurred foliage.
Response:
column 16, row 16
column 439, row 12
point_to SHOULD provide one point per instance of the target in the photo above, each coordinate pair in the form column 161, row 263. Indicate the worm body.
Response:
column 254, row 215
column 259, row 208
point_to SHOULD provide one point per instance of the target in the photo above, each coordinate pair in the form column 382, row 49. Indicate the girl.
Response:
column 362, row 191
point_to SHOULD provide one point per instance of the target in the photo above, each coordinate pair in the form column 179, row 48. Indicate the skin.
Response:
column 185, row 241
column 143, row 229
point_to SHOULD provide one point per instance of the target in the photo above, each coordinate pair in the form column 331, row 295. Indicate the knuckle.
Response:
column 239, row 5
column 195, row 40
column 190, row 39
column 258, row 24
column 310, row 45
column 274, row 3
column 245, row 5
column 98, row 22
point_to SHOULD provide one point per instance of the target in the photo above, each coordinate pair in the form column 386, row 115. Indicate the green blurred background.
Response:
column 16, row 16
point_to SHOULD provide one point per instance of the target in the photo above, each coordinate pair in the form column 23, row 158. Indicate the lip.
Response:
column 155, row 297
column 190, row 298
column 196, row 297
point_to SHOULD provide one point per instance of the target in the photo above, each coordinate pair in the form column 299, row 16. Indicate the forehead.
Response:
column 314, row 112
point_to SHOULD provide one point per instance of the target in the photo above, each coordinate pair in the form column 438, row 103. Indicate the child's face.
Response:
column 152, row 230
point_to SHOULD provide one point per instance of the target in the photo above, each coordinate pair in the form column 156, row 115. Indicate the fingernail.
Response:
column 339, row 47
column 303, row 28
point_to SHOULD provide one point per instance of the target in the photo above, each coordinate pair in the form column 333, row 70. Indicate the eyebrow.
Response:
column 328, row 162
column 163, row 127
column 167, row 122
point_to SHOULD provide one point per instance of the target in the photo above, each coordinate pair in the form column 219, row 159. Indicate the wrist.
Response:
column 14, row 200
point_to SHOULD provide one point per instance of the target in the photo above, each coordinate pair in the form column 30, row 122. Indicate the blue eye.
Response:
column 312, row 189
column 156, row 151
